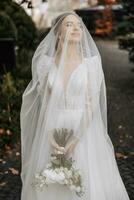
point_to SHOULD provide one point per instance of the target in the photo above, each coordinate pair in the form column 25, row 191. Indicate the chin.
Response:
column 75, row 39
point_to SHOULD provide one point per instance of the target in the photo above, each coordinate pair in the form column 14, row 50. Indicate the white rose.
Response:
column 37, row 175
column 60, row 177
column 49, row 174
column 45, row 172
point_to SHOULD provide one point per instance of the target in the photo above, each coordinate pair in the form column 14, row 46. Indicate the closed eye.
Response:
column 69, row 23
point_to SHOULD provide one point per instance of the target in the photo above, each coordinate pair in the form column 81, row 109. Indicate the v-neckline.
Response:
column 65, row 89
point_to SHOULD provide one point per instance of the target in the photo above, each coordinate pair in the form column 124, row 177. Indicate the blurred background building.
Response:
column 43, row 11
column 98, row 12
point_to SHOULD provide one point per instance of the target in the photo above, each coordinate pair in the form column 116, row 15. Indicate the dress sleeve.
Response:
column 42, row 73
column 94, row 82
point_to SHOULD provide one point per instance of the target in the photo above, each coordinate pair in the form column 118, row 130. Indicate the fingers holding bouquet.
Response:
column 67, row 150
column 63, row 141
column 70, row 147
column 60, row 150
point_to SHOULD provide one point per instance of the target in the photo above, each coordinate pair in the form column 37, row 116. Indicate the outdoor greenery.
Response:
column 6, row 23
column 26, row 30
column 11, row 90
column 126, row 29
column 16, row 24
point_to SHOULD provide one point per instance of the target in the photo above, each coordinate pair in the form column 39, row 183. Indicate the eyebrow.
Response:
column 72, row 22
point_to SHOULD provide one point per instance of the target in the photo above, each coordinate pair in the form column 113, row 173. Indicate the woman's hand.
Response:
column 57, row 148
column 71, row 146
column 67, row 150
column 60, row 150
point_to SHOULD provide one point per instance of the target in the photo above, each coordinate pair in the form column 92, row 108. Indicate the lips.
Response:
column 75, row 34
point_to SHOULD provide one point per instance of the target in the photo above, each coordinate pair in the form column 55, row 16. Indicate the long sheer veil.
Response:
column 54, row 90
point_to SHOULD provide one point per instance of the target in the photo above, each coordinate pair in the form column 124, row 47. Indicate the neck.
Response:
column 72, row 51
column 71, row 54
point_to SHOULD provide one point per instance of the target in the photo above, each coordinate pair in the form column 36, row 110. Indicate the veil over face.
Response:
column 67, row 90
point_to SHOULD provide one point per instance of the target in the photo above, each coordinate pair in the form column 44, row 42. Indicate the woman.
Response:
column 67, row 90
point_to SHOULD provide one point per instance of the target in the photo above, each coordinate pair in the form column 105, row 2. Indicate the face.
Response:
column 72, row 26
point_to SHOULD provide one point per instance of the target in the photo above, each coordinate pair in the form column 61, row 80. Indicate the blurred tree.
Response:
column 15, row 23
column 26, row 30
column 126, row 29
column 6, row 23
column 11, row 89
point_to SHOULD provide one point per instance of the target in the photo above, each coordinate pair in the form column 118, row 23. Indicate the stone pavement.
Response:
column 119, row 82
column 120, row 92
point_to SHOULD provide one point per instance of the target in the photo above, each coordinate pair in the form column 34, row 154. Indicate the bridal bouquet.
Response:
column 60, row 169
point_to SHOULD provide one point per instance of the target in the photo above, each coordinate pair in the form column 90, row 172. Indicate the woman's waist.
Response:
column 71, row 116
column 69, row 110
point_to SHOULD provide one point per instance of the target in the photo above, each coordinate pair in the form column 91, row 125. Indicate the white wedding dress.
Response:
column 92, row 155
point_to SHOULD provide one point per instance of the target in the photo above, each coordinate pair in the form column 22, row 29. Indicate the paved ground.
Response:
column 120, row 94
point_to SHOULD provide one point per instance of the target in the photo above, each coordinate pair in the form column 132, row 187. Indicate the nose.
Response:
column 76, row 27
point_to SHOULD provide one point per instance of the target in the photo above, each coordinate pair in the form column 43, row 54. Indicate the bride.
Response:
column 67, row 91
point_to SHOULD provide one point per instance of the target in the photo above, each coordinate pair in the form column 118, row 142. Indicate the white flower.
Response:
column 49, row 165
column 54, row 176
column 41, row 185
column 72, row 187
column 49, row 181
column 66, row 181
column 49, row 173
column 69, row 173
column 60, row 177
column 37, row 175
column 78, row 189
column 79, row 172
column 65, row 169
column 61, row 168
column 45, row 172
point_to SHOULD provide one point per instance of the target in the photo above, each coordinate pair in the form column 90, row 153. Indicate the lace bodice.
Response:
column 74, row 95
column 71, row 106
